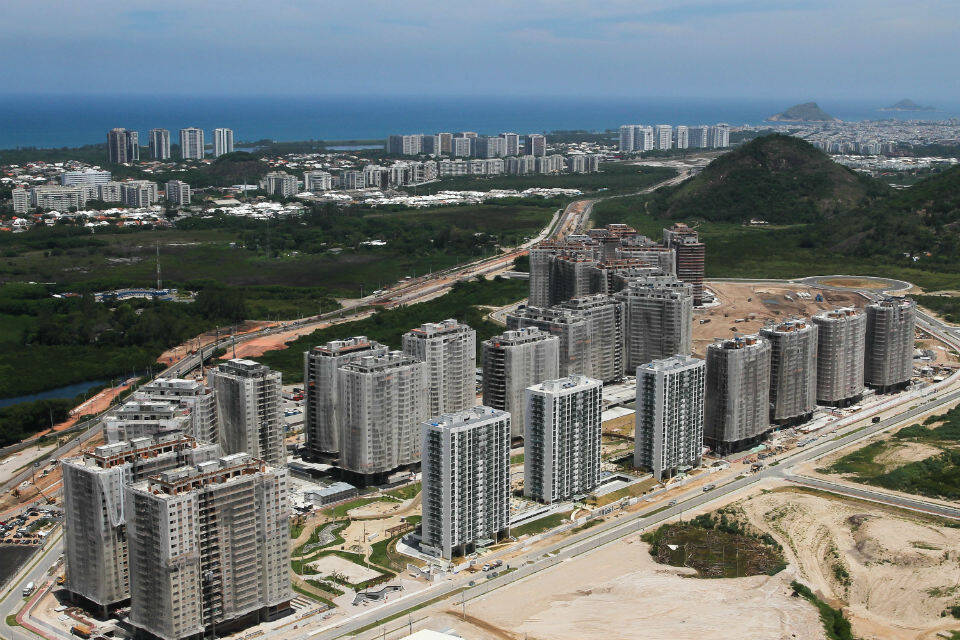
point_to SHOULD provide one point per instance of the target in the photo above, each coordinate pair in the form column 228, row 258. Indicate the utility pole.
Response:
column 159, row 280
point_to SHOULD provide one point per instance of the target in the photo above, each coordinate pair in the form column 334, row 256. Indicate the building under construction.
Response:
column 793, row 370
column 737, row 396
column 605, row 259
column 840, row 353
column 690, row 256
column 193, row 395
column 209, row 548
column 140, row 418
column 249, row 410
column 94, row 531
column 449, row 349
column 659, row 319
column 590, row 333
column 513, row 361
column 891, row 326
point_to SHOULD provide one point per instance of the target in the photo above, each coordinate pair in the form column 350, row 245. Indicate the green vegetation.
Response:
column 312, row 595
column 806, row 112
column 325, row 586
column 937, row 476
column 12, row 620
column 517, row 459
column 716, row 547
column 388, row 326
column 295, row 530
column 947, row 307
column 541, row 524
column 20, row 421
column 314, row 540
column 822, row 217
column 384, row 553
column 613, row 178
column 834, row 624
column 406, row 492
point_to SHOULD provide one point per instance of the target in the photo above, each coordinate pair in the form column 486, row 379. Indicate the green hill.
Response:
column 806, row 112
column 776, row 178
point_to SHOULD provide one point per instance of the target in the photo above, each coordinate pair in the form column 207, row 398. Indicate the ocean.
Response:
column 69, row 120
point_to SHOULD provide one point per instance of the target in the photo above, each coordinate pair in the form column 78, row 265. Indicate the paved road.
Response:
column 11, row 598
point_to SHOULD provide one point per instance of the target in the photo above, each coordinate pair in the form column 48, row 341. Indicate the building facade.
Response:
column 123, row 146
column 890, row 338
column 192, row 146
column 668, row 437
column 222, row 142
column 841, row 339
column 449, row 349
column 659, row 319
column 513, row 361
column 736, row 412
column 561, row 440
column 249, row 410
column 192, row 396
column 321, row 426
column 178, row 192
column 159, row 144
column 466, row 481
column 383, row 400
column 793, row 370
column 209, row 547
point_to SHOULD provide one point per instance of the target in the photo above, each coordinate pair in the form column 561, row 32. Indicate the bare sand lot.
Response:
column 892, row 571
column 746, row 308
column 620, row 592
column 353, row 572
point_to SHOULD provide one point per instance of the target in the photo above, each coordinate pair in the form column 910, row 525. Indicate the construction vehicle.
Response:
column 82, row 630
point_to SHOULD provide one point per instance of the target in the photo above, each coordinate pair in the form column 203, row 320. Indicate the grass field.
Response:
column 936, row 476
column 542, row 524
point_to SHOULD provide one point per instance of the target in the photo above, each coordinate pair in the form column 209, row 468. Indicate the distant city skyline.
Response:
column 881, row 48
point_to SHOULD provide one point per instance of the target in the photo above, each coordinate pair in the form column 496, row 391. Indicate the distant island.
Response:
column 806, row 112
column 908, row 105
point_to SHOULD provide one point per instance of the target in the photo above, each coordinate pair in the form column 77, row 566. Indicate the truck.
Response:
column 27, row 590
column 82, row 630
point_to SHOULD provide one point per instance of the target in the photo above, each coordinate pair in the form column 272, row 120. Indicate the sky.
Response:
column 841, row 49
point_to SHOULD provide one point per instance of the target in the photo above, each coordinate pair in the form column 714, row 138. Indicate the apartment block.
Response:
column 94, row 532
column 793, row 370
column 178, row 192
column 466, row 481
column 209, row 548
column 449, row 349
column 890, row 338
column 21, row 200
column 668, row 437
column 690, row 256
column 561, row 440
column 222, row 142
column 841, row 339
column 139, row 193
column 87, row 177
column 58, row 198
column 536, row 144
column 663, row 134
column 123, row 146
column 317, row 181
column 511, row 144
column 192, row 146
column 321, row 425
column 249, row 410
column 192, row 396
column 658, row 319
column 280, row 183
column 383, row 400
column 159, row 144
column 513, row 361
column 736, row 412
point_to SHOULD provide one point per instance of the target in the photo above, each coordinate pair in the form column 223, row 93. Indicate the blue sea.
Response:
column 70, row 120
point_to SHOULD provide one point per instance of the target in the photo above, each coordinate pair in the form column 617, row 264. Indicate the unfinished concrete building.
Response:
column 193, row 395
column 321, row 422
column 841, row 335
column 449, row 349
column 249, row 410
column 145, row 418
column 466, row 481
column 513, row 361
column 668, row 436
column 659, row 319
column 590, row 333
column 209, row 548
column 94, row 531
column 382, row 402
column 737, row 397
column 891, row 327
column 793, row 370
column 561, row 440
column 690, row 256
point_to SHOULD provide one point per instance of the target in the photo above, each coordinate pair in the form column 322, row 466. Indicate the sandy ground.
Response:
column 180, row 351
column 903, row 568
column 859, row 283
column 361, row 532
column 759, row 305
column 619, row 589
column 378, row 509
column 331, row 564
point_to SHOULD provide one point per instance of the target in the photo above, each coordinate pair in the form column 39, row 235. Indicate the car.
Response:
column 875, row 419
column 671, row 503
column 709, row 487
